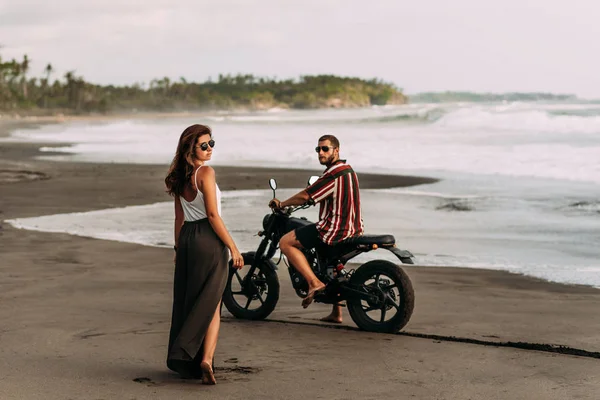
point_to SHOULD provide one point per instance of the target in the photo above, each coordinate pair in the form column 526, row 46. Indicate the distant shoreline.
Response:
column 60, row 115
column 20, row 157
column 9, row 123
column 478, row 97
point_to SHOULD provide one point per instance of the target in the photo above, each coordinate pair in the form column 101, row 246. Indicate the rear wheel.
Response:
column 251, row 297
column 392, row 297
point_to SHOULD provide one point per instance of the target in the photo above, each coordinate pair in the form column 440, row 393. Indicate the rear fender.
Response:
column 403, row 255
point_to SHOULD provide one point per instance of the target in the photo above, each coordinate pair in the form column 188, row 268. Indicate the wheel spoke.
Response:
column 248, row 302
column 260, row 298
column 393, row 285
column 383, row 313
column 377, row 280
column 370, row 308
column 240, row 292
column 391, row 301
column 237, row 275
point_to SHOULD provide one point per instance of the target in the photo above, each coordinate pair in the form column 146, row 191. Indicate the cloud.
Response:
column 425, row 45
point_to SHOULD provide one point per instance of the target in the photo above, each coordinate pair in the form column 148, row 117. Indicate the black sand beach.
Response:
column 88, row 319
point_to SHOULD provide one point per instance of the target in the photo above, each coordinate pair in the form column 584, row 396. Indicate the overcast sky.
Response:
column 420, row 45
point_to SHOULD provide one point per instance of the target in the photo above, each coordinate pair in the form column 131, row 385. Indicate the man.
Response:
column 340, row 216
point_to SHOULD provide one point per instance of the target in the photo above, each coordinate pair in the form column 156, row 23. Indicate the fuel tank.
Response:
column 294, row 223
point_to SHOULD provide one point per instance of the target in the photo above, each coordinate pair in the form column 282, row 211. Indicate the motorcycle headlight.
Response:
column 266, row 221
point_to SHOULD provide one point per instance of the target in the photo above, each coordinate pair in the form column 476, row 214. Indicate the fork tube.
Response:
column 260, row 252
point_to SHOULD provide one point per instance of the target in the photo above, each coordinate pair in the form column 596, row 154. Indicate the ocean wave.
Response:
column 455, row 205
column 522, row 119
column 493, row 139
column 420, row 116
column 584, row 113
column 507, row 116
column 586, row 207
column 426, row 193
column 378, row 114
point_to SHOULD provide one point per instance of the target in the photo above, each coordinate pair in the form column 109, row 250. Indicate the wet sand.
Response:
column 88, row 319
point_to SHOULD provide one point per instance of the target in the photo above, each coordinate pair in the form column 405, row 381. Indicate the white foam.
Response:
column 145, row 225
column 509, row 139
column 538, row 244
column 152, row 224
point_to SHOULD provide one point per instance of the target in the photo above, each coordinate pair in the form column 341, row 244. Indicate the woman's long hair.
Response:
column 182, row 166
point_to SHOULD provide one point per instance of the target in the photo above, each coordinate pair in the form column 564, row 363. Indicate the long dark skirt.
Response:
column 200, row 277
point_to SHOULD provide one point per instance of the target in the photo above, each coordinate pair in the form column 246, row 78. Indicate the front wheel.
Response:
column 392, row 297
column 251, row 297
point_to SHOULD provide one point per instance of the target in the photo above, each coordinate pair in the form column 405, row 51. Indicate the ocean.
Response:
column 519, row 182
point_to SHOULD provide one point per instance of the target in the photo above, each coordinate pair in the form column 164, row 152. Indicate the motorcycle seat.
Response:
column 370, row 240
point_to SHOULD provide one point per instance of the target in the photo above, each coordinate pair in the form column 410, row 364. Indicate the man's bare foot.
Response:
column 311, row 295
column 335, row 319
column 208, row 377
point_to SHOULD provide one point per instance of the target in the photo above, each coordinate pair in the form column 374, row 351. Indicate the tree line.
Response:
column 71, row 93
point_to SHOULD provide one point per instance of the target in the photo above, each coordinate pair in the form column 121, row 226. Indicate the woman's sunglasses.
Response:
column 204, row 145
column 324, row 148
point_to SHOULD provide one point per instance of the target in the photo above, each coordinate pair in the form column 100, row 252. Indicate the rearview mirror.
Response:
column 273, row 184
column 312, row 179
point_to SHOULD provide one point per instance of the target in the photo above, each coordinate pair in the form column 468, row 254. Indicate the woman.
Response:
column 201, row 257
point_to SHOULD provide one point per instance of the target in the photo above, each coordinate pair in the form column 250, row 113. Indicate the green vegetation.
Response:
column 443, row 97
column 73, row 95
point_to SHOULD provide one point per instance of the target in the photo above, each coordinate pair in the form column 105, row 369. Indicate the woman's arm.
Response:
column 178, row 219
column 208, row 187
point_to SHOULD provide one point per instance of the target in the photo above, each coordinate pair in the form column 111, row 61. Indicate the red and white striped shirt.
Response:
column 339, row 216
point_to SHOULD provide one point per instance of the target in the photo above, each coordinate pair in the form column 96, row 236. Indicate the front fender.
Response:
column 403, row 255
column 250, row 258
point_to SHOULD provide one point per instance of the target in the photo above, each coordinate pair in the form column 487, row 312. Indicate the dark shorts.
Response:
column 308, row 236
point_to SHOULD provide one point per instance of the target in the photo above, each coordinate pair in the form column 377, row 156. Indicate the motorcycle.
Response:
column 378, row 294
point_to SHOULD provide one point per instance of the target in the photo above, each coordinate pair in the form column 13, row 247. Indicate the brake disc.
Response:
column 260, row 285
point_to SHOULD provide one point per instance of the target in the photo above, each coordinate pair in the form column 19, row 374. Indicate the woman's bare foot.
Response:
column 208, row 377
column 311, row 294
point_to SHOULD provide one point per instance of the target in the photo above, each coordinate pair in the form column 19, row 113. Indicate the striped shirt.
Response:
column 339, row 215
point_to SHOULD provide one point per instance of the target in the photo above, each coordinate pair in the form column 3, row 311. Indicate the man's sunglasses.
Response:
column 324, row 148
column 204, row 145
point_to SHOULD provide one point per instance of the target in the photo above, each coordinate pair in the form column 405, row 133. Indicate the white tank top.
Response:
column 196, row 209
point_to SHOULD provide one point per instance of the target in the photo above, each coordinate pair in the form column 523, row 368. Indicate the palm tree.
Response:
column 48, row 71
column 46, row 83
column 13, row 72
column 3, row 67
column 24, row 70
column 70, row 87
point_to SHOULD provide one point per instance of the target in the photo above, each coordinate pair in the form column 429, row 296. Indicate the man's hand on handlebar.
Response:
column 275, row 204
column 296, row 204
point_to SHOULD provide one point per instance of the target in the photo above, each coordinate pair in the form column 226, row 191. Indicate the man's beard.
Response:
column 327, row 161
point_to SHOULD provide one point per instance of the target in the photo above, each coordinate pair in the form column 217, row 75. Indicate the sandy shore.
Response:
column 88, row 319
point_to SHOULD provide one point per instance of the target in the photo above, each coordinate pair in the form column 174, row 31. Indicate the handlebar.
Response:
column 291, row 209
